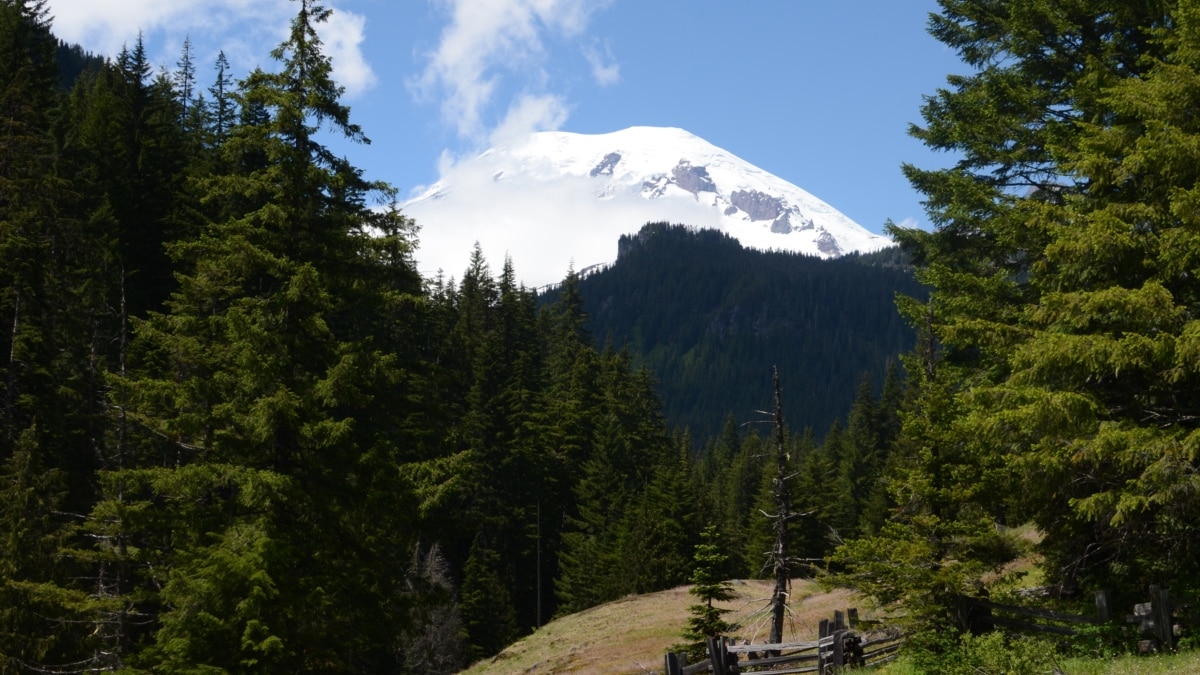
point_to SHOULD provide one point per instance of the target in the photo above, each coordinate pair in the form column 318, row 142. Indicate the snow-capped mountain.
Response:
column 550, row 200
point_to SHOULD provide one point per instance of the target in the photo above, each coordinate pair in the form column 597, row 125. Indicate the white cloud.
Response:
column 484, row 40
column 343, row 35
column 909, row 223
column 604, row 67
column 245, row 29
column 530, row 113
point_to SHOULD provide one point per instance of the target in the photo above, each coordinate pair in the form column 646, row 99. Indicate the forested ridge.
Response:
column 710, row 319
column 240, row 433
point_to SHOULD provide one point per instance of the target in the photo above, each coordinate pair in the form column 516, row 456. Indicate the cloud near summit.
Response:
column 488, row 43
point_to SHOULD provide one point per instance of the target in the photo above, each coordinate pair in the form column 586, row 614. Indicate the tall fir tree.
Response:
column 223, row 108
column 1056, row 360
column 271, row 405
column 49, row 417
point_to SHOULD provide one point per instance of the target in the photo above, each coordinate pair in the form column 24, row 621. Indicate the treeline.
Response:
column 240, row 433
column 711, row 319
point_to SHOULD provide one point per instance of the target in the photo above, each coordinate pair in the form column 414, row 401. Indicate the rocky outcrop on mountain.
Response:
column 757, row 205
column 782, row 224
column 694, row 179
column 656, row 185
column 606, row 165
column 828, row 245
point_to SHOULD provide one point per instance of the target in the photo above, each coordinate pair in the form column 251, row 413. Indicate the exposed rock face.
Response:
column 606, row 165
column 758, row 205
column 782, row 224
column 694, row 179
column 730, row 210
column 656, row 185
column 828, row 245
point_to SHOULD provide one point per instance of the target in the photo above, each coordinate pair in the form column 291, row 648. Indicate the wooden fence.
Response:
column 838, row 645
column 979, row 615
column 841, row 644
column 1156, row 618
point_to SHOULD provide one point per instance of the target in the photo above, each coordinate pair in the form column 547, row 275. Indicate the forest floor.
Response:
column 633, row 634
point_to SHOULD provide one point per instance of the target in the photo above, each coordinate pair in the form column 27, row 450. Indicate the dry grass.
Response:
column 631, row 635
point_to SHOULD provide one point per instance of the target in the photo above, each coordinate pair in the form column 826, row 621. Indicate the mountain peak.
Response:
column 554, row 199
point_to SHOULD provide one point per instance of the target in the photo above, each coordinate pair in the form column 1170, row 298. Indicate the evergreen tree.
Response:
column 46, row 621
column 629, row 532
column 820, row 495
column 28, row 228
column 658, row 529
column 741, row 514
column 1103, row 378
column 272, row 409
column 490, row 384
column 878, row 504
column 49, row 418
column 184, row 79
column 74, row 62
column 127, row 156
column 590, row 563
column 708, row 586
column 1055, row 368
column 223, row 108
column 489, row 618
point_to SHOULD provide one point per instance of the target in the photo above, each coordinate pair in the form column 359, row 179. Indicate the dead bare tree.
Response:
column 778, row 558
column 779, row 561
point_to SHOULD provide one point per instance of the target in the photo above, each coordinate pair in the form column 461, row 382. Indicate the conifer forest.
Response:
column 239, row 432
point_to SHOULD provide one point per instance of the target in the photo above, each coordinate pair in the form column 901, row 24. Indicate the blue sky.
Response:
column 818, row 92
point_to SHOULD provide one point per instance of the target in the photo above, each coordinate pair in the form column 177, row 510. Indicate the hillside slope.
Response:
column 710, row 318
column 633, row 634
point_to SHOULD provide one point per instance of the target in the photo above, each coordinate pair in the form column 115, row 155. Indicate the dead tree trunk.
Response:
column 783, row 501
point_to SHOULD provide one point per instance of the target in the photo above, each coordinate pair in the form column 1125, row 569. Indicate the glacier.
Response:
column 551, row 201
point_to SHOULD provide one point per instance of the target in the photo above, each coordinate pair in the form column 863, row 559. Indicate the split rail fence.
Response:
column 1155, row 619
column 841, row 644
column 838, row 645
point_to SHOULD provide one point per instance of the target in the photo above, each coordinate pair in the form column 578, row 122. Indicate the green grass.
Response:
column 1184, row 663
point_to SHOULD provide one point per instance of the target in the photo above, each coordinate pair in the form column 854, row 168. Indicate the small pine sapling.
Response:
column 709, row 586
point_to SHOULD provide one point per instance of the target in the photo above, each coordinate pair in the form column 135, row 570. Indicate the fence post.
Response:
column 839, row 620
column 1103, row 606
column 1160, row 610
column 718, row 656
column 839, row 652
column 852, row 616
column 972, row 618
column 962, row 613
column 714, row 656
column 823, row 628
column 673, row 666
